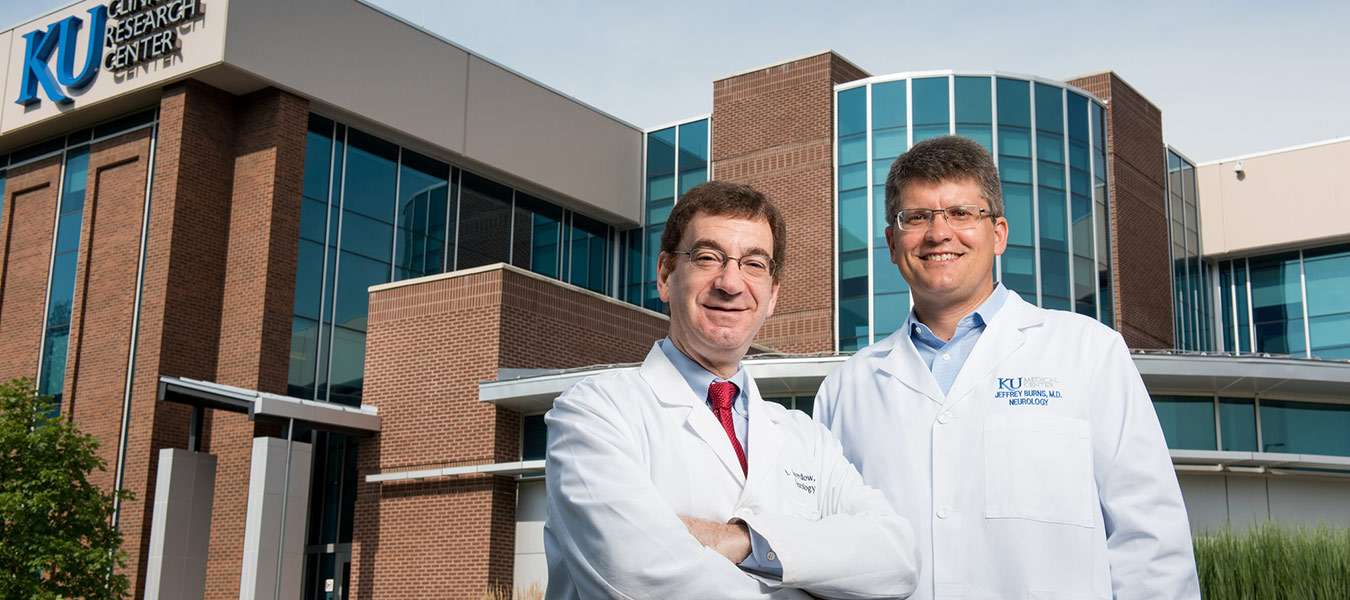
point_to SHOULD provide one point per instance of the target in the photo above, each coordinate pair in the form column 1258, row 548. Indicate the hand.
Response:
column 731, row 540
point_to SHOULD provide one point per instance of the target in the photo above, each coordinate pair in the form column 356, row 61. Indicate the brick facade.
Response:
column 1136, row 175
column 774, row 129
column 225, row 199
column 431, row 342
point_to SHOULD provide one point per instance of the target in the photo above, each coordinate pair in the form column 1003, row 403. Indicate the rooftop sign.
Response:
column 140, row 31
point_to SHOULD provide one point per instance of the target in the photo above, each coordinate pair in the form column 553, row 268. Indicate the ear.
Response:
column 1000, row 235
column 892, row 243
column 663, row 276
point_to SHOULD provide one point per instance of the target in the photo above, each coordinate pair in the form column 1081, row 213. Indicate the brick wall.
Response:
column 1136, row 171
column 25, row 255
column 431, row 342
column 774, row 129
column 105, row 283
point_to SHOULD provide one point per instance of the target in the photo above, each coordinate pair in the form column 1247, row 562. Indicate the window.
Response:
column 484, row 222
column 533, row 437
column 1187, row 421
column 61, row 282
column 424, row 216
column 890, row 293
column 1052, row 198
column 931, row 108
column 852, row 211
column 803, row 403
column 1014, row 165
column 1305, row 428
column 1237, row 424
column 1080, row 210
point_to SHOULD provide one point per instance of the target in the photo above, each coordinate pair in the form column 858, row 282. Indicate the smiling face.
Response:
column 715, row 314
column 947, row 267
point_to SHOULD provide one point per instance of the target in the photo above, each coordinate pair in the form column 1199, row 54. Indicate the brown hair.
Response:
column 722, row 198
column 946, row 158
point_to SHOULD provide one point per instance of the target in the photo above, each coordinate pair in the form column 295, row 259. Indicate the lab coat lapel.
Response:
column 902, row 361
column 672, row 391
column 763, row 441
column 1002, row 338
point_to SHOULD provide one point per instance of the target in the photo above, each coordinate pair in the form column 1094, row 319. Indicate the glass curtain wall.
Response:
column 68, row 213
column 374, row 212
column 676, row 160
column 1192, row 303
column 1262, row 304
column 1047, row 141
column 1253, row 424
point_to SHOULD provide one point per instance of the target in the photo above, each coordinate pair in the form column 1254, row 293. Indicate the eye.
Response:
column 756, row 264
column 914, row 217
column 962, row 214
column 706, row 258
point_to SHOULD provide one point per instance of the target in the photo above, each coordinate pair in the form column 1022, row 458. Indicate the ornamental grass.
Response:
column 1270, row 561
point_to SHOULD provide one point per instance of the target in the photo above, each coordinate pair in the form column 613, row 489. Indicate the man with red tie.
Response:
column 677, row 480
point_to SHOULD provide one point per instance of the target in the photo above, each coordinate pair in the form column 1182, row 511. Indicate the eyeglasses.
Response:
column 711, row 260
column 964, row 216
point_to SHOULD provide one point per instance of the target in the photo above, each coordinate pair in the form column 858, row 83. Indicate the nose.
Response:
column 731, row 280
column 938, row 229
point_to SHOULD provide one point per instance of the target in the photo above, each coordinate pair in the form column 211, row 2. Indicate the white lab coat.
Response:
column 630, row 451
column 1015, row 491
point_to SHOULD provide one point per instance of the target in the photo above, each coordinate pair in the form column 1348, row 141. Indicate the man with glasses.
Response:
column 677, row 480
column 1020, row 442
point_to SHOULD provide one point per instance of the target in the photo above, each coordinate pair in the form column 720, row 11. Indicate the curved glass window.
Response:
column 1048, row 143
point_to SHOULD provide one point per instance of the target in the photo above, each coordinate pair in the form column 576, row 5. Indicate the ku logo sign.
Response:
column 59, row 39
column 122, row 34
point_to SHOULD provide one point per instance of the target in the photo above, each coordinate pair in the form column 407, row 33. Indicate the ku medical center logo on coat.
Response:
column 132, row 32
column 1028, row 391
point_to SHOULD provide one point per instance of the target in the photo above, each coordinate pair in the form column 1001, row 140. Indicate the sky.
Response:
column 1231, row 78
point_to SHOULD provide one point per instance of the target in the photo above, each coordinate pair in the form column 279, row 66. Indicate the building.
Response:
column 314, row 306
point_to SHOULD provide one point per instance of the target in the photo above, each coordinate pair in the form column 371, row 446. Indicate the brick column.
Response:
column 25, row 256
column 1141, row 268
column 431, row 342
column 774, row 129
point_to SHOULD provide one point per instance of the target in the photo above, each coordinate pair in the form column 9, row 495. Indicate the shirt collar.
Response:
column 980, row 317
column 700, row 378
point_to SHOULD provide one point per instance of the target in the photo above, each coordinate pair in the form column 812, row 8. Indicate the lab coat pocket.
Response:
column 1039, row 467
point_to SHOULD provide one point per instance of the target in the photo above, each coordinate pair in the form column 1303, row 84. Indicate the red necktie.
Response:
column 720, row 396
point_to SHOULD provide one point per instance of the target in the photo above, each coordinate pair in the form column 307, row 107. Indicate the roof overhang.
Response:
column 1175, row 373
column 325, row 416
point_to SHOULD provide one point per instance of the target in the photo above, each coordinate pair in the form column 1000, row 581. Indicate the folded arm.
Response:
column 618, row 536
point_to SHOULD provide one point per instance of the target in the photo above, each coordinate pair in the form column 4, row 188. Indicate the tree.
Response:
column 56, row 536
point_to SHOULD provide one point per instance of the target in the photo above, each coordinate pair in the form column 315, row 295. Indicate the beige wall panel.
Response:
column 349, row 55
column 201, row 43
column 1310, row 501
column 536, row 134
column 1301, row 183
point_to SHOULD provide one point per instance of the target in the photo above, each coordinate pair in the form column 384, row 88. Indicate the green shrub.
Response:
column 1270, row 561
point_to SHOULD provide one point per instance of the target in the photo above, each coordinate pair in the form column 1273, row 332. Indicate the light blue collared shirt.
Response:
column 699, row 379
column 945, row 358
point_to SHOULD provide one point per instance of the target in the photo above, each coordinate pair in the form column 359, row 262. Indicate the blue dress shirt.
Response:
column 699, row 379
column 945, row 358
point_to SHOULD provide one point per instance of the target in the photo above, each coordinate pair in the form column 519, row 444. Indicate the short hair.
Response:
column 723, row 198
column 946, row 158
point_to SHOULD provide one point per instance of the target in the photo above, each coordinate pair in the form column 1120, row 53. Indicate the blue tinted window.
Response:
column 974, row 104
column 423, row 215
column 1277, row 303
column 61, row 283
column 310, row 259
column 484, row 222
column 1014, row 163
column 533, row 438
column 852, row 214
column 1187, row 422
column 1052, row 198
column 932, row 110
column 660, row 188
column 693, row 157
column 1226, row 305
column 1080, row 211
column 1327, row 275
column 1101, row 202
column 889, row 140
column 1237, row 418
column 588, row 251
column 538, row 237
column 1305, row 428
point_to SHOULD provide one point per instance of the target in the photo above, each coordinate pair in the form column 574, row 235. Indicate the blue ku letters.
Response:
column 59, row 38
column 1028, row 391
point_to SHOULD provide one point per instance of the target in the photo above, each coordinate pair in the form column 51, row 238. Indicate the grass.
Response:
column 1269, row 561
